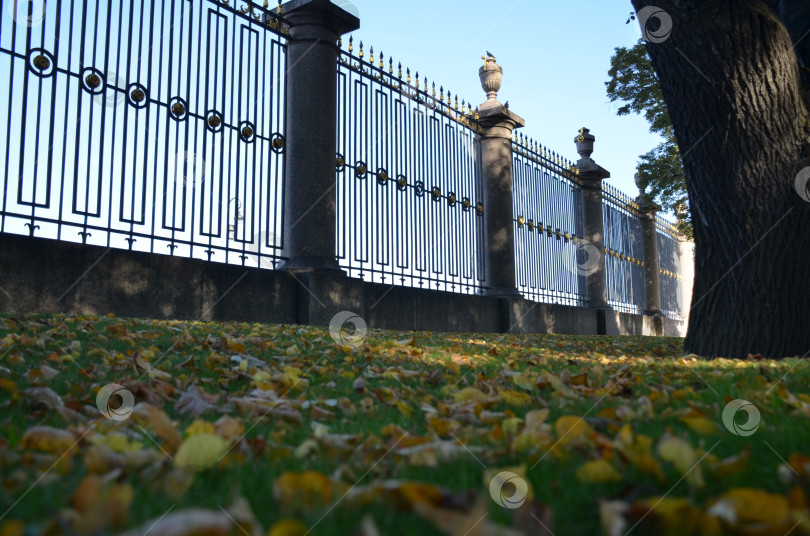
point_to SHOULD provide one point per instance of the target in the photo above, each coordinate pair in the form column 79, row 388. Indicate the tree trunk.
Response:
column 734, row 91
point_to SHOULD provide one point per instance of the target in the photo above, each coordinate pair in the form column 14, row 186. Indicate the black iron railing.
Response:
column 160, row 127
column 150, row 126
column 624, row 251
column 408, row 179
column 669, row 264
column 548, row 225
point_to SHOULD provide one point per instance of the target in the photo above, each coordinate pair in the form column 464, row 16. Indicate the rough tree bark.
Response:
column 739, row 104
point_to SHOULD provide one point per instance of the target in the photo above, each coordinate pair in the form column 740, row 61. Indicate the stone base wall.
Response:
column 41, row 275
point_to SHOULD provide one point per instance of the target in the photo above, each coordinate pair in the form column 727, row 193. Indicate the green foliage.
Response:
column 634, row 84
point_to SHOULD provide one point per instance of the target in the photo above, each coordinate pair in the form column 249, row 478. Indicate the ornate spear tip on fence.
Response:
column 584, row 141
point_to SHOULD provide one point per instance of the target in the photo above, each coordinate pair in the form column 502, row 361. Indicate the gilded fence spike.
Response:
column 382, row 64
column 426, row 88
column 463, row 107
column 416, row 78
column 340, row 40
column 476, row 113
column 408, row 71
column 351, row 43
column 399, row 73
column 265, row 4
column 278, row 9
column 371, row 55
column 390, row 65
column 434, row 89
column 456, row 102
column 441, row 93
column 361, row 50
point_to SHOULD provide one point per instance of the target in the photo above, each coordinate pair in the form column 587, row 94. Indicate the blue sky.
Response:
column 555, row 56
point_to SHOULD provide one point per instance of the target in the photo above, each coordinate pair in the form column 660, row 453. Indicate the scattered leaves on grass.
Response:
column 404, row 434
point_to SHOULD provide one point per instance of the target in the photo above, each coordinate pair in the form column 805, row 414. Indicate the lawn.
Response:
column 278, row 430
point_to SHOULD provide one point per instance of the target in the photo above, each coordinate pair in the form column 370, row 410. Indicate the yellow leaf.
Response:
column 514, row 398
column 536, row 418
column 47, row 439
column 404, row 408
column 598, row 471
column 511, row 425
column 525, row 381
column 308, row 488
column 201, row 451
column 287, row 527
column 676, row 516
column 756, row 506
column 701, row 425
column 229, row 428
column 442, row 427
column 572, row 428
column 559, row 386
column 200, row 427
column 469, row 394
column 685, row 459
column 12, row 527
column 117, row 442
column 164, row 428
column 260, row 376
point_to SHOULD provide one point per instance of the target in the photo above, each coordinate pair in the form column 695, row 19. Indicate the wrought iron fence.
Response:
column 408, row 178
column 150, row 126
column 624, row 251
column 159, row 127
column 669, row 266
column 548, row 225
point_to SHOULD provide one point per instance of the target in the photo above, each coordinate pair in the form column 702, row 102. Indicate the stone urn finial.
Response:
column 491, row 75
column 639, row 184
column 584, row 141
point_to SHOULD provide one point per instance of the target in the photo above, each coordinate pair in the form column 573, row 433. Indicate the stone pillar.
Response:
column 652, row 278
column 592, row 265
column 311, row 93
column 496, row 163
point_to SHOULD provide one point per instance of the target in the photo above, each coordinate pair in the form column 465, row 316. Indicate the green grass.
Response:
column 651, row 365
